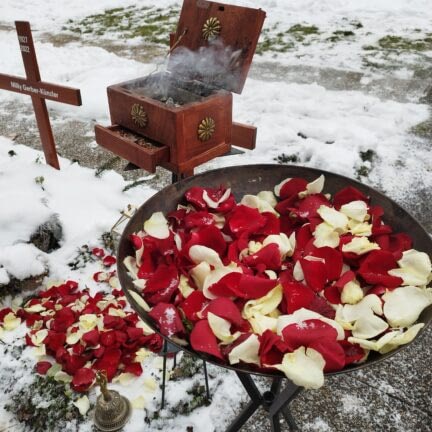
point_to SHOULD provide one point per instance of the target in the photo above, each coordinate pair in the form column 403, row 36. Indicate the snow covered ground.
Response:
column 340, row 123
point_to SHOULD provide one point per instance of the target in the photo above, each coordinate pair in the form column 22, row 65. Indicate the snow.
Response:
column 321, row 127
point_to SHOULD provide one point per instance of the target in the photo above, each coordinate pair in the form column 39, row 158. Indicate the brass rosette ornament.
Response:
column 211, row 28
column 206, row 129
column 138, row 115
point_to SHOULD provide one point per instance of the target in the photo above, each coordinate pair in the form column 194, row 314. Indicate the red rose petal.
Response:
column 333, row 294
column 319, row 305
column 63, row 319
column 209, row 236
column 308, row 206
column 303, row 334
column 134, row 368
column 245, row 219
column 91, row 338
column 109, row 362
column 168, row 319
column 54, row 340
column 292, row 188
column 271, row 225
column 353, row 352
column 109, row 260
column 374, row 269
column 202, row 339
column 198, row 219
column 83, row 379
column 333, row 353
column 333, row 261
column 225, row 308
column 394, row 243
column 136, row 241
column 272, row 348
column 42, row 367
column 315, row 273
column 296, row 296
column 193, row 304
column 269, row 257
column 98, row 252
column 165, row 278
column 346, row 195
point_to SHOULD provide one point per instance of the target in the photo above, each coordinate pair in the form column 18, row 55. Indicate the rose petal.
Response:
column 202, row 339
column 168, row 319
column 369, row 326
column 42, row 367
column 83, row 379
column 403, row 306
column 157, row 226
column 198, row 254
column 304, row 367
column 359, row 246
column 246, row 352
column 225, row 308
column 221, row 329
column 245, row 219
column 193, row 305
column 290, row 187
column 415, row 268
column 347, row 195
column 83, row 405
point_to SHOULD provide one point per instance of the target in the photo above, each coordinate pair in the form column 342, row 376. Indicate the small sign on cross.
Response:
column 39, row 91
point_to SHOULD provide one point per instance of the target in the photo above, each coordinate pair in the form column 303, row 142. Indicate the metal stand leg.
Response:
column 164, row 366
column 274, row 401
column 206, row 381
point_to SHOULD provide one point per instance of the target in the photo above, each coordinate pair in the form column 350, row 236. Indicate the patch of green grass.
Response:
column 393, row 42
column 340, row 35
column 368, row 155
column 423, row 130
column 151, row 24
column 43, row 406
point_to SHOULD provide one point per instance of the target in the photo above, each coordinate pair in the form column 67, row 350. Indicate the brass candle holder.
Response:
column 112, row 409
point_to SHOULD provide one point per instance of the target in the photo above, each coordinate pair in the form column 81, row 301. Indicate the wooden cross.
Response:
column 39, row 91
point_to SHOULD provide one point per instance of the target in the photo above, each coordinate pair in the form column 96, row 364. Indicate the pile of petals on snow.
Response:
column 83, row 333
column 292, row 279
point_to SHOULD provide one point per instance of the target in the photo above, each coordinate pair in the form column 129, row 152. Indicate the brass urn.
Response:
column 112, row 409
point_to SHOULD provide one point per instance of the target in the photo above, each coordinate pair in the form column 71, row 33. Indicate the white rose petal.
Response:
column 124, row 378
column 157, row 226
column 304, row 367
column 199, row 254
column 130, row 263
column 147, row 330
column 402, row 306
column 140, row 284
column 298, row 272
column 268, row 196
column 313, row 187
column 356, row 210
column 11, row 321
column 402, row 338
column 88, row 322
column 335, row 219
column 368, row 305
column 36, row 308
column 141, row 302
column 73, row 338
column 141, row 355
column 150, row 383
column 369, row 326
column 359, row 246
column 260, row 323
column 351, row 293
column 264, row 305
column 138, row 403
column 184, row 287
column 221, row 328
column 359, row 228
column 415, row 268
column 63, row 377
column 38, row 338
column 83, row 405
column 254, row 201
column 325, row 235
column 199, row 274
column 247, row 351
column 219, row 220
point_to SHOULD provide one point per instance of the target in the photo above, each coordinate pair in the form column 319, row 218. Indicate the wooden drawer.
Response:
column 140, row 151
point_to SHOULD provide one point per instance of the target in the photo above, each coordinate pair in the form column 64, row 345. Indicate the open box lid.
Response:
column 215, row 43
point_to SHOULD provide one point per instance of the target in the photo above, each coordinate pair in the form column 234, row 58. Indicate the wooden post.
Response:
column 39, row 91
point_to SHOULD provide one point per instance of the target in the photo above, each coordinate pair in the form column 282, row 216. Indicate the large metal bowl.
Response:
column 251, row 179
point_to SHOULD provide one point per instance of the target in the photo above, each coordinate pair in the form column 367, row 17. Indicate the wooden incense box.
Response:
column 184, row 114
